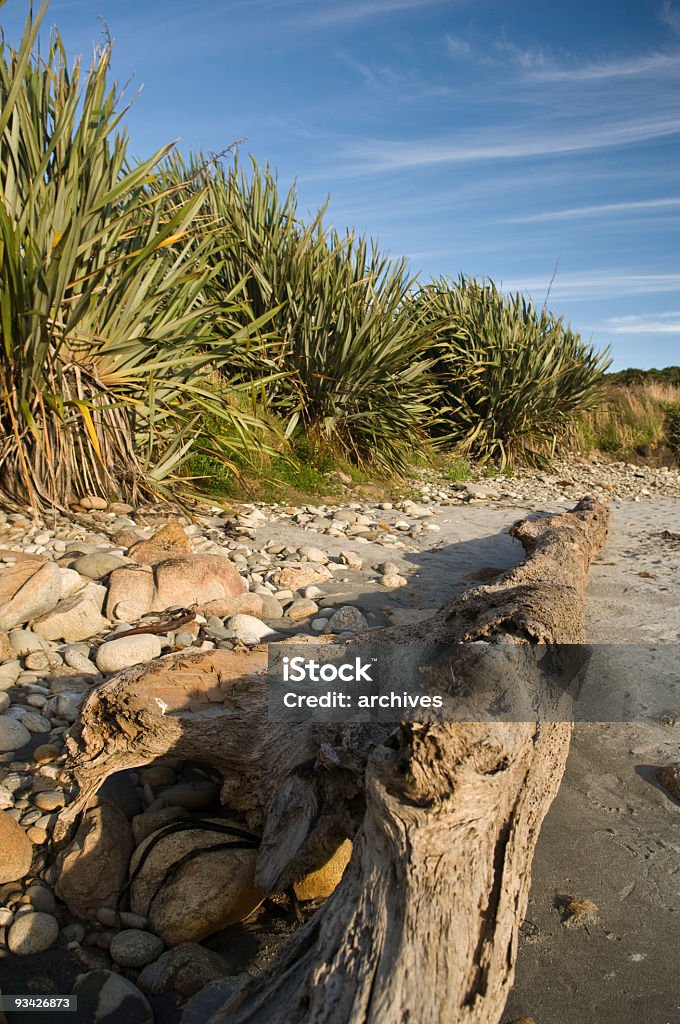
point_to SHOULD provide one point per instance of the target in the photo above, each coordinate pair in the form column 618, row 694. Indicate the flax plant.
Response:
column 511, row 377
column 106, row 329
column 344, row 359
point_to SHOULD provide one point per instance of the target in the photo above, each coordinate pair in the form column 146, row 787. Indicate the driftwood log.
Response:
column 423, row 927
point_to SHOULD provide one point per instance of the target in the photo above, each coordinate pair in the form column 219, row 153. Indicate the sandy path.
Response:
column 612, row 834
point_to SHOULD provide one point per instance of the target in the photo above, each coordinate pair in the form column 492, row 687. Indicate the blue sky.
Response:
column 477, row 136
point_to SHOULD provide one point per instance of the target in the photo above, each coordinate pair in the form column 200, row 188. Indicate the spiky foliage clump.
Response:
column 106, row 330
column 343, row 359
column 511, row 377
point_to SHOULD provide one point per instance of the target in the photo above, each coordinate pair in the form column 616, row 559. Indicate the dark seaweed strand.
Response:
column 191, row 855
column 250, row 841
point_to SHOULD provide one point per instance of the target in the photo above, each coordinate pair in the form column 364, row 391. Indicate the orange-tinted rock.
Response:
column 30, row 588
column 131, row 591
column 93, row 867
column 244, row 604
column 297, row 579
column 17, row 850
column 169, row 542
column 196, row 580
column 320, row 883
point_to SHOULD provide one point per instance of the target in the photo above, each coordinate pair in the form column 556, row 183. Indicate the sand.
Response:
column 613, row 834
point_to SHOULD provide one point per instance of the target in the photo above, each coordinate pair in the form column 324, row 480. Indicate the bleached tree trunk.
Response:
column 423, row 927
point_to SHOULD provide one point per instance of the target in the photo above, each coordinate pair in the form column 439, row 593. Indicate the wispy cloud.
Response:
column 408, row 84
column 647, row 64
column 595, row 284
column 599, row 210
column 363, row 70
column 537, row 64
column 655, row 323
column 375, row 156
column 340, row 11
column 670, row 16
column 458, row 47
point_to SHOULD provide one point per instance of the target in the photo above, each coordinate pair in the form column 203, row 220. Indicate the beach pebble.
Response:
column 183, row 639
column 77, row 618
column 71, row 582
column 392, row 581
column 135, row 948
column 98, row 564
column 151, row 821
column 314, row 555
column 184, row 969
column 34, row 722
column 6, row 652
column 271, row 607
column 9, row 673
column 17, row 851
column 29, row 590
column 41, row 899
column 249, row 629
column 25, row 641
column 351, row 559
column 209, row 999
column 93, row 502
column 347, row 619
column 73, row 932
column 45, row 753
column 157, row 775
column 115, row 655
column 49, row 800
column 32, row 933
column 113, row 919
column 345, row 515
column 80, row 662
column 192, row 796
column 302, row 608
column 13, row 735
column 108, row 998
column 387, row 569
column 39, row 661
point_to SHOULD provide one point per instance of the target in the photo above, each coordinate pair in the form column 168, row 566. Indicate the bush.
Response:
column 106, row 331
column 343, row 357
column 510, row 377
